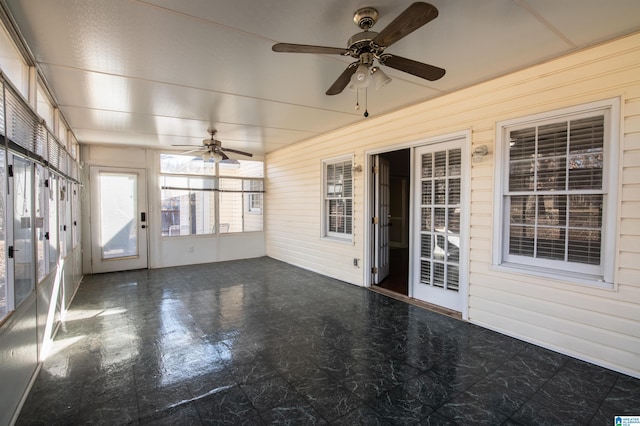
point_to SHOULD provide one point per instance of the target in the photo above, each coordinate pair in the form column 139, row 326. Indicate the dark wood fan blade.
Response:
column 305, row 48
column 426, row 71
column 223, row 155
column 193, row 150
column 411, row 19
column 344, row 79
column 235, row 151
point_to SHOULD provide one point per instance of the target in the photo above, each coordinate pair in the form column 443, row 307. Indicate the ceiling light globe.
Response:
column 360, row 78
column 380, row 79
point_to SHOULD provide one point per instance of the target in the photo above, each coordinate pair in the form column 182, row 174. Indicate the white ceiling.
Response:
column 160, row 72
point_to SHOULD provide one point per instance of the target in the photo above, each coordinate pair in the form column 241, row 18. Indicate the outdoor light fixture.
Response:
column 479, row 152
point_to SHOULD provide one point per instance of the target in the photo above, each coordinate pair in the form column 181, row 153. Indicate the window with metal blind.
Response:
column 338, row 198
column 555, row 193
column 21, row 124
column 30, row 226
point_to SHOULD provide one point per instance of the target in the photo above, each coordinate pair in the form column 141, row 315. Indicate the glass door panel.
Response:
column 22, row 229
column 437, row 248
column 118, row 215
column 119, row 237
column 3, row 239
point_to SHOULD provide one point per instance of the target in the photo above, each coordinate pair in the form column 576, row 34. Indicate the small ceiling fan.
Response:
column 212, row 148
column 367, row 46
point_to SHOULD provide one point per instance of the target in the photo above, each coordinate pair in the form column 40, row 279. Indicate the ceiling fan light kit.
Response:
column 368, row 46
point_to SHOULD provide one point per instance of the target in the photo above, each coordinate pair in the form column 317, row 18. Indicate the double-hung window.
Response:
column 338, row 198
column 556, row 182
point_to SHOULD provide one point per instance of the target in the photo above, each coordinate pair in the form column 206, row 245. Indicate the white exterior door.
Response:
column 381, row 220
column 118, row 219
column 440, row 224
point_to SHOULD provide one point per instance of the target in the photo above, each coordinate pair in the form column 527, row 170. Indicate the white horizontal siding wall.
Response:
column 599, row 325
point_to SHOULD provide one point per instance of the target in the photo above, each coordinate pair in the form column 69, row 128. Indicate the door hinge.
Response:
column 46, row 183
column 10, row 252
column 374, row 169
column 10, row 170
column 374, row 270
column 374, row 220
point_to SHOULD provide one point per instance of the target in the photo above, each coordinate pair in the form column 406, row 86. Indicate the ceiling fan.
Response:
column 212, row 148
column 367, row 46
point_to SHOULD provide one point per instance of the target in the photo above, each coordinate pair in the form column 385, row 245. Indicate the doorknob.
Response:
column 144, row 226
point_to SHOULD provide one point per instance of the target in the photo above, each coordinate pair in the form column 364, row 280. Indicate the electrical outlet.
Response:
column 355, row 261
column 191, row 249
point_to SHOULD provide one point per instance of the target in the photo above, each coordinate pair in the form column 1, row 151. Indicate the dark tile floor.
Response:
column 259, row 341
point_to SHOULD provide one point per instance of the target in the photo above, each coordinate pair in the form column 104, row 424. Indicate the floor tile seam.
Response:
column 317, row 410
column 430, row 414
column 601, row 404
column 557, row 371
column 163, row 413
column 508, row 414
column 200, row 415
column 457, row 393
column 367, row 403
column 524, row 348
column 442, row 403
column 591, row 400
column 276, row 372
column 135, row 387
column 260, row 413
column 307, row 358
column 532, row 397
column 299, row 394
column 381, row 415
column 503, row 362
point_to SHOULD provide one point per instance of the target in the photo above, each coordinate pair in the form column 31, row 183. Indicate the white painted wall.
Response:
column 598, row 325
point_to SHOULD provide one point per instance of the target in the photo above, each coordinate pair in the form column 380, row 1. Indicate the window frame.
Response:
column 253, row 200
column 601, row 275
column 196, row 187
column 218, row 177
column 326, row 233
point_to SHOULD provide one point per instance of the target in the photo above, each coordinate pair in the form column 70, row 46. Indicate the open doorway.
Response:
column 390, row 248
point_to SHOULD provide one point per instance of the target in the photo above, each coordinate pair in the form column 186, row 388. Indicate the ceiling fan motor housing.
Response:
column 365, row 17
column 361, row 42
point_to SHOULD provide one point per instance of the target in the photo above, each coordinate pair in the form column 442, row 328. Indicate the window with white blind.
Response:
column 557, row 192
column 338, row 198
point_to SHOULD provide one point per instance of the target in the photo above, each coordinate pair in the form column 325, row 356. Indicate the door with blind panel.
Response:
column 440, row 228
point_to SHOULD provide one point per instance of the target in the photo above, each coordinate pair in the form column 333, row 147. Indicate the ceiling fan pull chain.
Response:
column 357, row 100
column 366, row 102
